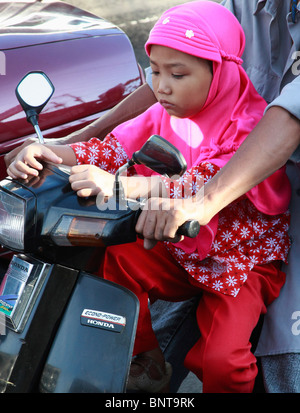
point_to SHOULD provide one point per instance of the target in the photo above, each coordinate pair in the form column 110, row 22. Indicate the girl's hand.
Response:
column 26, row 163
column 88, row 180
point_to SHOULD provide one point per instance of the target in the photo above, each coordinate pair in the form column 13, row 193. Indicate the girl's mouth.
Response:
column 167, row 105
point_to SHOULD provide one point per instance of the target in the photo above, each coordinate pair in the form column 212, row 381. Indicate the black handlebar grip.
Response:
column 189, row 229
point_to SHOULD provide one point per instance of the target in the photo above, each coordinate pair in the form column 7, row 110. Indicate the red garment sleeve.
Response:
column 108, row 154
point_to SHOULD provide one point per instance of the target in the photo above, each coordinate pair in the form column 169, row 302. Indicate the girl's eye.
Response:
column 154, row 73
column 177, row 76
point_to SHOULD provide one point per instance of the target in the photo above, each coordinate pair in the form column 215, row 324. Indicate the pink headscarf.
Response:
column 232, row 109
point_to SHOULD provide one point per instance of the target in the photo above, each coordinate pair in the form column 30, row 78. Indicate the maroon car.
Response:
column 90, row 61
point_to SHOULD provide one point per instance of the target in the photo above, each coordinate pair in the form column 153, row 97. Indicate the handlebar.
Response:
column 189, row 229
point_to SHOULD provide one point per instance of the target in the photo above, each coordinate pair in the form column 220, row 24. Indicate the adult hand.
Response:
column 161, row 217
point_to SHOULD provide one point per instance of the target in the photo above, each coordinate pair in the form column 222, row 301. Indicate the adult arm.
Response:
column 133, row 105
column 266, row 149
column 273, row 141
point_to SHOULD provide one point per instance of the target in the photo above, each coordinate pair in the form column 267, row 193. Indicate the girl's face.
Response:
column 181, row 81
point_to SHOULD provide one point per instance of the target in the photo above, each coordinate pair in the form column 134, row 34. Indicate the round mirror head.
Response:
column 34, row 91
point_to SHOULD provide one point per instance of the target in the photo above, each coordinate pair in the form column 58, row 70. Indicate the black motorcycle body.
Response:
column 67, row 330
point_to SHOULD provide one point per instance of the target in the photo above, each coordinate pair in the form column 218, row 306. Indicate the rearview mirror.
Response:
column 33, row 92
column 157, row 154
column 161, row 156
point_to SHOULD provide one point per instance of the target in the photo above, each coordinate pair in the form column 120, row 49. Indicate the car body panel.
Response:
column 90, row 61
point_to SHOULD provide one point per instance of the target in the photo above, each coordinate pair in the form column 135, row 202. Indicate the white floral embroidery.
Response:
column 189, row 34
column 216, row 245
column 245, row 232
column 92, row 159
column 236, row 224
column 203, row 278
column 166, row 21
column 217, row 285
column 119, row 159
column 235, row 292
column 244, row 277
column 227, row 235
column 231, row 281
column 80, row 152
column 176, row 193
column 189, row 266
column 94, row 149
column 106, row 152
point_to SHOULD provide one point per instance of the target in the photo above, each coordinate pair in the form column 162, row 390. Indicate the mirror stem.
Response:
column 32, row 117
column 39, row 134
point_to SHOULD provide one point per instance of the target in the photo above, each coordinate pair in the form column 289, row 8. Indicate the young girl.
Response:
column 206, row 107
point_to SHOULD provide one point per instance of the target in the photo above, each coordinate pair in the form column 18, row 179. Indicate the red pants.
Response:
column 222, row 357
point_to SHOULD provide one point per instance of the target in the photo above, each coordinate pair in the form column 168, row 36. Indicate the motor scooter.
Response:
column 64, row 329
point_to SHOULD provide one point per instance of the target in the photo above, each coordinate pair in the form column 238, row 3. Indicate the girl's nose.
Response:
column 163, row 87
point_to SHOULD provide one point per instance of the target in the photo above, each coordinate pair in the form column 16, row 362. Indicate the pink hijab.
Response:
column 232, row 109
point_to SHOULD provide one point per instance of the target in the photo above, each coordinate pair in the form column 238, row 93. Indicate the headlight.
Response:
column 12, row 213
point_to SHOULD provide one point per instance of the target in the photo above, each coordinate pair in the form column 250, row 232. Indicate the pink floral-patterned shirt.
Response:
column 245, row 237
